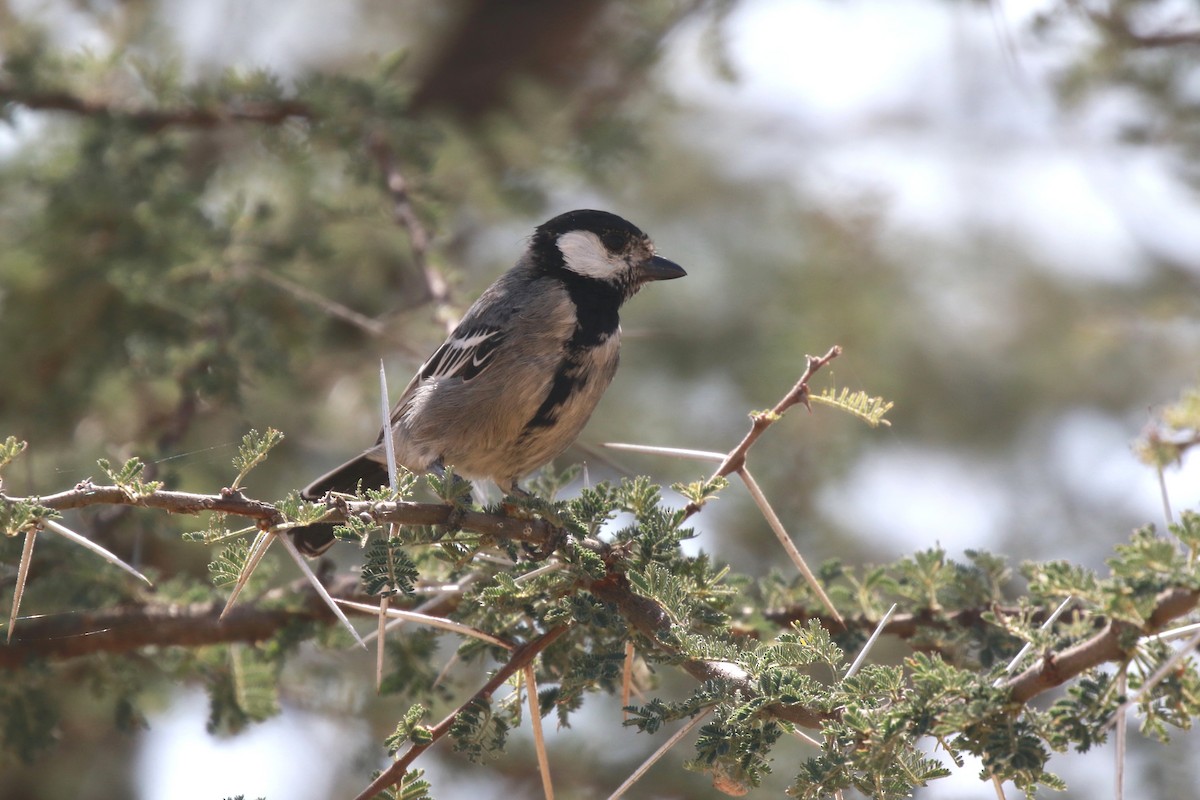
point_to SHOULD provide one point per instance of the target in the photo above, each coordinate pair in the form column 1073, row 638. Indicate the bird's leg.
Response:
column 514, row 490
column 528, row 503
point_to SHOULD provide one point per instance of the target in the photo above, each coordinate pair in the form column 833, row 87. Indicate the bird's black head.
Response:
column 600, row 249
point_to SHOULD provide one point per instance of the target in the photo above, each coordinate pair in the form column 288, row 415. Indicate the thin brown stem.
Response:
column 405, row 215
column 85, row 494
column 156, row 119
column 523, row 655
column 797, row 395
column 128, row 628
column 1110, row 645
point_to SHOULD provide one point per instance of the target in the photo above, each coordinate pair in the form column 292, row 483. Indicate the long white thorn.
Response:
column 302, row 562
column 258, row 549
column 22, row 577
column 659, row 753
column 862, row 656
column 552, row 566
column 1168, row 635
column 67, row 533
column 1050, row 620
column 431, row 621
column 673, row 452
column 1163, row 671
column 789, row 547
column 804, row 737
column 539, row 739
column 432, row 602
column 389, row 446
column 380, row 632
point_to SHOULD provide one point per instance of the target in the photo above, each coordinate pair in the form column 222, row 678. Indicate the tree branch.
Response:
column 125, row 629
column 1120, row 28
column 643, row 614
column 405, row 215
column 903, row 626
column 155, row 119
column 119, row 630
column 535, row 531
column 760, row 422
column 1111, row 644
column 521, row 657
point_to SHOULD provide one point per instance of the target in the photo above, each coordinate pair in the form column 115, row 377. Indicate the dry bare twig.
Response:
column 406, row 217
column 735, row 463
column 798, row 395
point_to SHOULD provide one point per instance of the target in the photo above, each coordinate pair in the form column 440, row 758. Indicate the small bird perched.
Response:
column 516, row 381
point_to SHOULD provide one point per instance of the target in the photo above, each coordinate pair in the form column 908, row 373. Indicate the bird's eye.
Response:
column 614, row 241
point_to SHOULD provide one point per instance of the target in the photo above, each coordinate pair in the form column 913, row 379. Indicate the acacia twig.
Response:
column 127, row 628
column 522, row 656
column 153, row 120
column 85, row 494
column 405, row 215
column 798, row 395
column 1109, row 645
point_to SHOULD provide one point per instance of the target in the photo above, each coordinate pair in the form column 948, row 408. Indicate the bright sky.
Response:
column 946, row 110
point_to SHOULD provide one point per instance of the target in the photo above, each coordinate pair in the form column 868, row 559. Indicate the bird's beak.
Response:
column 659, row 269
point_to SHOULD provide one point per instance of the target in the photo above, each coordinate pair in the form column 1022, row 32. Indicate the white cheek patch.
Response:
column 584, row 254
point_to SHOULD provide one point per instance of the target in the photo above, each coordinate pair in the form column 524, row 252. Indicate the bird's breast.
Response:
column 578, row 383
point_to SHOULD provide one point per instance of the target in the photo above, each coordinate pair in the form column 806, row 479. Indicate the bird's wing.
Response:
column 464, row 355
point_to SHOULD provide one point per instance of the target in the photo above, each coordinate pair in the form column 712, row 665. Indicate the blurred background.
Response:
column 992, row 206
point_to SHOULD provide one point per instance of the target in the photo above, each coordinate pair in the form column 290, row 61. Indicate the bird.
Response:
column 518, row 378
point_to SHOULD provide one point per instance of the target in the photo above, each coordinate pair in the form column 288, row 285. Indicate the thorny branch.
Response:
column 798, row 394
column 532, row 531
column 122, row 629
column 406, row 217
column 156, row 119
column 65, row 636
column 1111, row 644
column 521, row 657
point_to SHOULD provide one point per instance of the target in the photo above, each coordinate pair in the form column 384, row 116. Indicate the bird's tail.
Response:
column 313, row 540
